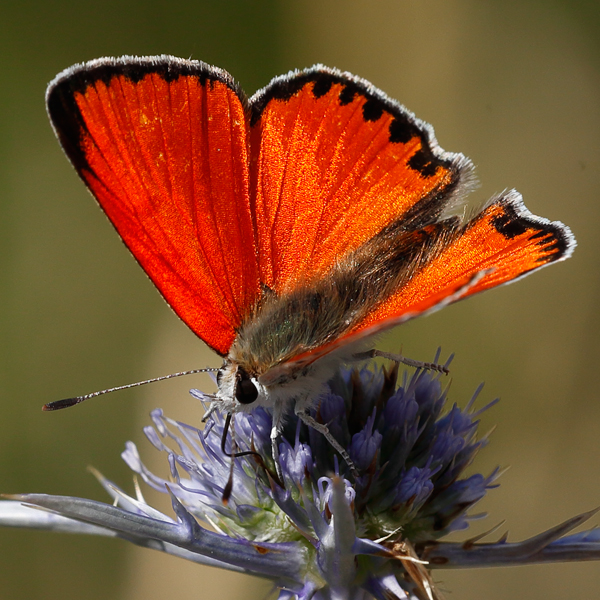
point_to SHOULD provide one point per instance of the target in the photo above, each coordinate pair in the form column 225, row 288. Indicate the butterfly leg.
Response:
column 275, row 451
column 212, row 407
column 398, row 358
column 275, row 433
column 323, row 430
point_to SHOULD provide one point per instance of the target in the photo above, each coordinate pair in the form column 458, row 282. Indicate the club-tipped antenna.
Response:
column 67, row 402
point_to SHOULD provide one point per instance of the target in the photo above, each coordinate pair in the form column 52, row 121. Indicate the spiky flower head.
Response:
column 319, row 533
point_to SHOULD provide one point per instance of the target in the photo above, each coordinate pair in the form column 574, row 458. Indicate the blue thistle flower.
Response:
column 323, row 534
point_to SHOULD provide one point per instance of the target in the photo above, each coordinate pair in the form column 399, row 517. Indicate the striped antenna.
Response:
column 67, row 402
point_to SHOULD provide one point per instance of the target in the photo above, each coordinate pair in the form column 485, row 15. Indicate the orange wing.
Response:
column 503, row 243
column 333, row 162
column 162, row 144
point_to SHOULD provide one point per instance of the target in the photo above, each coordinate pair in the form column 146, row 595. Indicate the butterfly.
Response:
column 289, row 228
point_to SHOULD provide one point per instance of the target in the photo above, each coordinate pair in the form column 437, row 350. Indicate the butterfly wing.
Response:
column 162, row 144
column 501, row 244
column 339, row 170
column 333, row 162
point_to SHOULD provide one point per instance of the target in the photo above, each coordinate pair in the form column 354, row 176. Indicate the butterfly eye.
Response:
column 245, row 390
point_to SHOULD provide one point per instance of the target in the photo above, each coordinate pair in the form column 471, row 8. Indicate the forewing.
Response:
column 333, row 162
column 162, row 144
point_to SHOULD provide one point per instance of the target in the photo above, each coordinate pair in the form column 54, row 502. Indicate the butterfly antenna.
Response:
column 67, row 402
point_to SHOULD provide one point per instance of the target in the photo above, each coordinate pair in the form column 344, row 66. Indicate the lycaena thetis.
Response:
column 288, row 228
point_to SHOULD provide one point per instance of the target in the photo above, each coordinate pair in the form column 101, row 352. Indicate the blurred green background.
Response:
column 513, row 85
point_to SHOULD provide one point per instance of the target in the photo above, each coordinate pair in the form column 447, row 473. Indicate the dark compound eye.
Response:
column 245, row 390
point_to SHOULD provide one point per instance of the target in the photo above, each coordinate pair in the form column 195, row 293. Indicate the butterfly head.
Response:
column 243, row 386
column 239, row 389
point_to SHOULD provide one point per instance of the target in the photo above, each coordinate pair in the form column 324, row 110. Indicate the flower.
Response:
column 319, row 533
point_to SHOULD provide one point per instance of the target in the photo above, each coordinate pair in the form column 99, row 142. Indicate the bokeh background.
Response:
column 513, row 85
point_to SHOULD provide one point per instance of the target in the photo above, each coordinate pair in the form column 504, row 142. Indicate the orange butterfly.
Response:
column 286, row 229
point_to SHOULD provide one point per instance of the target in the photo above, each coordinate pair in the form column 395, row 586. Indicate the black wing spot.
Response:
column 348, row 94
column 402, row 131
column 423, row 162
column 372, row 110
column 509, row 224
column 322, row 86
